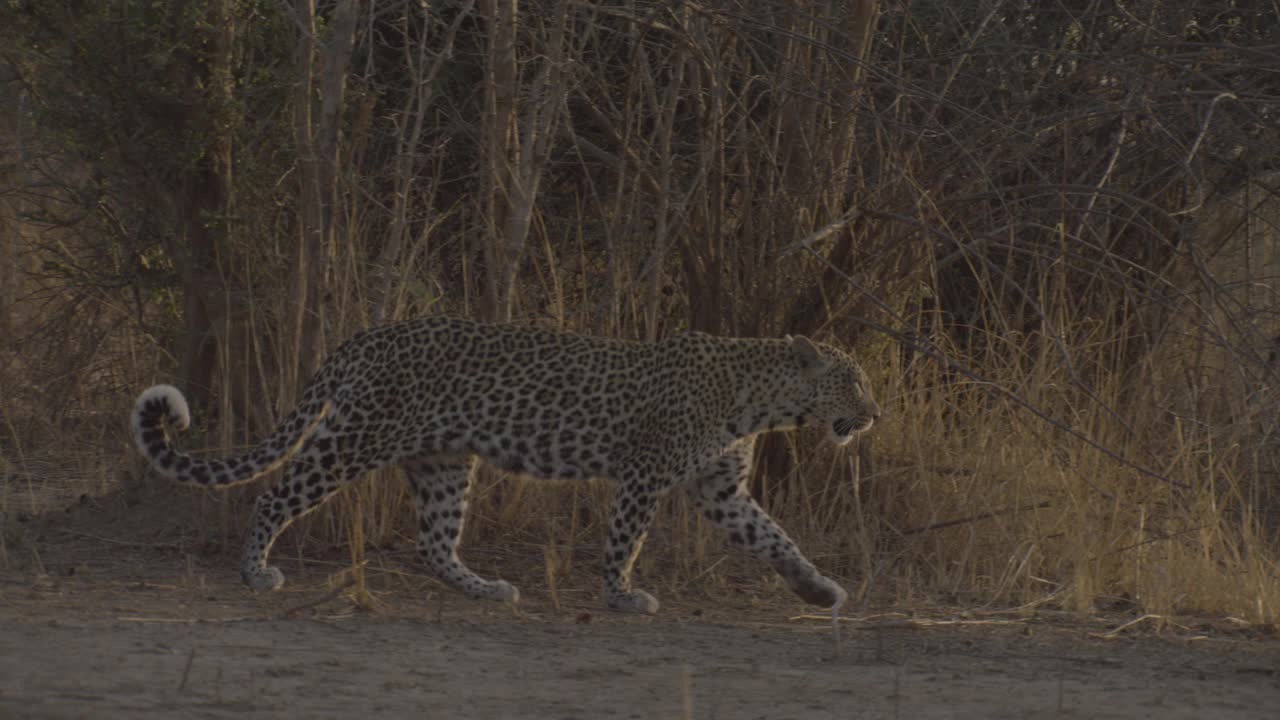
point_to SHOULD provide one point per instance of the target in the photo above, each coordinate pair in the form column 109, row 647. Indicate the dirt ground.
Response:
column 99, row 626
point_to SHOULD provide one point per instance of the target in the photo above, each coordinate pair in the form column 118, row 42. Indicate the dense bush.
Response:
column 1050, row 232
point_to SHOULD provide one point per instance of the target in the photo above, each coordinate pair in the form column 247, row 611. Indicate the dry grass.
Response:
column 965, row 498
column 1059, row 277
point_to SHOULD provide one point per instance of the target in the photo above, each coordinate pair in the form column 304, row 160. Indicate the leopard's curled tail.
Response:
column 164, row 404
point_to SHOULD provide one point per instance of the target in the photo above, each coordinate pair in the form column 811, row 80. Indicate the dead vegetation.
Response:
column 1050, row 234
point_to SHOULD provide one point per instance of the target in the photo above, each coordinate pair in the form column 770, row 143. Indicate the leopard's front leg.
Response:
column 721, row 495
column 629, row 520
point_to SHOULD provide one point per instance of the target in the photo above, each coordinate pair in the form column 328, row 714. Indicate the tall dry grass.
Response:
column 1048, row 234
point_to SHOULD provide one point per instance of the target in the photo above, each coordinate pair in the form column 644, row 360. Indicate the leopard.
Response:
column 438, row 395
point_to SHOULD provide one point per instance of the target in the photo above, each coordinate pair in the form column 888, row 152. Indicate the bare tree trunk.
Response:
column 10, row 227
column 410, row 125
column 310, row 218
column 11, row 224
column 202, row 202
column 515, row 148
column 667, row 114
column 318, row 148
column 808, row 310
column 336, row 65
column 703, row 246
column 501, row 78
column 860, row 27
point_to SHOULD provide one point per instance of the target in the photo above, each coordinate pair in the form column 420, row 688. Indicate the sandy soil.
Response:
column 97, row 626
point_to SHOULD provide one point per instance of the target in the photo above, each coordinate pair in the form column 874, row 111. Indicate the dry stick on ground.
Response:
column 114, row 541
column 320, row 600
column 1115, row 632
column 186, row 670
column 917, row 622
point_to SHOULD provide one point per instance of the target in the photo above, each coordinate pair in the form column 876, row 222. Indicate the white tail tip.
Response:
column 179, row 414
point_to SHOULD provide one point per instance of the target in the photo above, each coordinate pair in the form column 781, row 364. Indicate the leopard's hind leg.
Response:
column 320, row 468
column 440, row 488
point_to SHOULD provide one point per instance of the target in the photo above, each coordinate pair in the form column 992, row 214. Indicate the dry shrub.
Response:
column 1048, row 233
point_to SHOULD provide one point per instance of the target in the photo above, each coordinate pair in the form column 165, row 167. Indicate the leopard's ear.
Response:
column 805, row 353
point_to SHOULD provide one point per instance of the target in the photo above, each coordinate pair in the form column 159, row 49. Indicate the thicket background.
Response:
column 1049, row 230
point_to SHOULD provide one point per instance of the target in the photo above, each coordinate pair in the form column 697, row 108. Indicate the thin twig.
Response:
column 818, row 235
column 905, row 622
column 976, row 518
column 318, row 601
column 1117, row 630
column 114, row 541
column 186, row 670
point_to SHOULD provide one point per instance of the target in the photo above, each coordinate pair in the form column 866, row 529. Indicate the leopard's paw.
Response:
column 636, row 601
column 821, row 591
column 503, row 591
column 262, row 578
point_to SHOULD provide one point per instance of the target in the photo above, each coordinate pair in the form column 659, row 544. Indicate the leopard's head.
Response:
column 840, row 397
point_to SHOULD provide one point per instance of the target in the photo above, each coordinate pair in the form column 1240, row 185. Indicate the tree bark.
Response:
column 11, row 223
column 411, row 124
column 515, row 148
column 318, row 146
column 202, row 200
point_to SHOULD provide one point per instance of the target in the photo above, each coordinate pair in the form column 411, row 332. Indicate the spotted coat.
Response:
column 433, row 394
